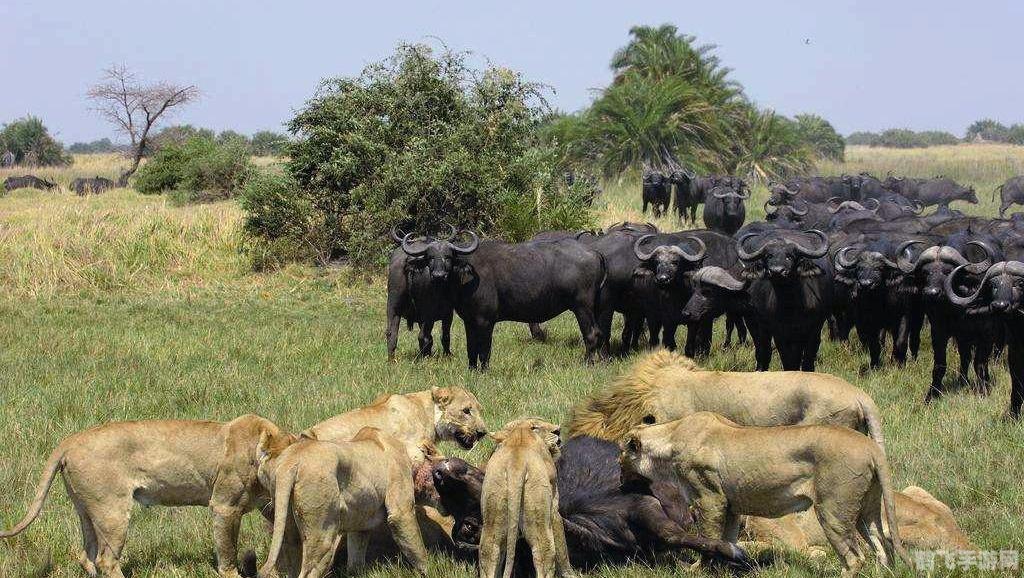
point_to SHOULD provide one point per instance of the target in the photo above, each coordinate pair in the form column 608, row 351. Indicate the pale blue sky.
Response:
column 869, row 65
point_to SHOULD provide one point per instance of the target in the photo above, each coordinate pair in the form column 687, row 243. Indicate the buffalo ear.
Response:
column 808, row 269
column 753, row 272
column 643, row 270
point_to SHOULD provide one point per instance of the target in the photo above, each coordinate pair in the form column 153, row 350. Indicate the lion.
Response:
column 730, row 471
column 324, row 491
column 664, row 386
column 168, row 463
column 520, row 495
column 446, row 413
column 924, row 523
column 549, row 433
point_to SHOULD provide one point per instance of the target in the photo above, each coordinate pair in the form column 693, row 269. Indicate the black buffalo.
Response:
column 27, row 182
column 656, row 192
column 421, row 289
column 724, row 209
column 605, row 522
column 1000, row 292
column 880, row 303
column 95, row 185
column 1011, row 192
column 686, row 203
column 790, row 294
column 943, row 191
column 530, row 282
column 974, row 335
column 660, row 285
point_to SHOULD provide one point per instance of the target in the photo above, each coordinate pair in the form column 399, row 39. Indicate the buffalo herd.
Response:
column 81, row 186
column 832, row 255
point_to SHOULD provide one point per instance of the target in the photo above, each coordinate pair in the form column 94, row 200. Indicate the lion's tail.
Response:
column 53, row 465
column 515, row 505
column 282, row 497
column 872, row 421
column 889, row 504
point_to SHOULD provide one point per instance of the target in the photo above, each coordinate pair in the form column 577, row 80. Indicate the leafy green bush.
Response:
column 282, row 222
column 199, row 170
column 902, row 138
column 103, row 145
column 861, row 138
column 419, row 141
column 31, row 143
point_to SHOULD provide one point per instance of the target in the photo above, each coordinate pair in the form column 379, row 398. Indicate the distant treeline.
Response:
column 986, row 130
column 262, row 143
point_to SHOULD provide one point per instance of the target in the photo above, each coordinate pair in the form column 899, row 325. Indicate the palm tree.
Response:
column 768, row 147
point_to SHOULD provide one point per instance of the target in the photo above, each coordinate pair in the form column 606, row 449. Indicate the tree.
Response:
column 177, row 134
column 989, row 130
column 135, row 108
column 420, row 141
column 268, row 143
column 32, row 144
column 103, row 145
column 769, row 147
column 819, row 134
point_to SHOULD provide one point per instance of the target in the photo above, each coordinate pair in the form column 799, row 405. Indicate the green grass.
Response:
column 125, row 307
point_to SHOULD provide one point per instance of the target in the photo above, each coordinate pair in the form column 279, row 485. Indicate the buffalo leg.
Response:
column 589, row 330
column 916, row 323
column 446, row 333
column 486, row 338
column 537, row 332
column 654, row 327
column 965, row 347
column 1015, row 359
column 810, row 348
column 669, row 336
column 899, row 341
column 871, row 338
column 762, row 348
column 426, row 338
column 790, row 353
column 940, row 340
column 650, row 515
column 644, row 210
column 982, row 355
column 394, row 322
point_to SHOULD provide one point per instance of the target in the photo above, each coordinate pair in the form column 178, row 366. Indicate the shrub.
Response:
column 281, row 222
column 862, row 138
column 103, row 145
column 420, row 141
column 198, row 170
column 31, row 143
column 989, row 130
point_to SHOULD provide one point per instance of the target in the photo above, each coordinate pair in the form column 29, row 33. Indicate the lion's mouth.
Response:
column 465, row 441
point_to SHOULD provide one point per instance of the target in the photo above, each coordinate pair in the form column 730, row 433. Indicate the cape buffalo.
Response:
column 656, row 192
column 27, row 182
column 1011, row 192
column 724, row 209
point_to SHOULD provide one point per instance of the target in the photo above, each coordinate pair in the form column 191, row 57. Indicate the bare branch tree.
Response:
column 134, row 108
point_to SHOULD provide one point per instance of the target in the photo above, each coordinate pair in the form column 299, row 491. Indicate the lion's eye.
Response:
column 467, row 411
column 649, row 419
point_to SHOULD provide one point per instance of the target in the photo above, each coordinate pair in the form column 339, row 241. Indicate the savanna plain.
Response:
column 122, row 306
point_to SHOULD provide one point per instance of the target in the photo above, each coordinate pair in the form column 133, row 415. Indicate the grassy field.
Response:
column 122, row 306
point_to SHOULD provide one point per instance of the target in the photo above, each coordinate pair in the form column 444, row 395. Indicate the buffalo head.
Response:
column 867, row 269
column 934, row 265
column 1001, row 285
column 435, row 255
column 713, row 288
column 781, row 256
column 668, row 261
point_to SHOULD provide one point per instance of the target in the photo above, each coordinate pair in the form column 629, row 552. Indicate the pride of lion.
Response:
column 772, row 459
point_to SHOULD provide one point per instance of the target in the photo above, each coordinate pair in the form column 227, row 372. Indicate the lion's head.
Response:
column 631, row 401
column 549, row 433
column 459, row 416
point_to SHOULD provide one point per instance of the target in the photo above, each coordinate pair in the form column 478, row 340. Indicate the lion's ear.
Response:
column 262, row 452
column 442, row 396
column 499, row 436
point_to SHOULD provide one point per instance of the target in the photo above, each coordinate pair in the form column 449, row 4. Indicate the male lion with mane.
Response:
column 108, row 468
column 664, row 386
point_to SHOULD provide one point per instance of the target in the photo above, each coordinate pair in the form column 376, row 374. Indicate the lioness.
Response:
column 326, row 490
column 169, row 463
column 520, row 496
column 924, row 523
column 665, row 386
column 730, row 470
column 449, row 413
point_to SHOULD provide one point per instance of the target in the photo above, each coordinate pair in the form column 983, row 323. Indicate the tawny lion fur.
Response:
column 440, row 413
column 730, row 471
column 326, row 491
column 664, row 386
column 520, row 497
column 924, row 523
column 108, row 468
